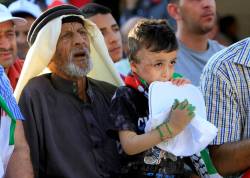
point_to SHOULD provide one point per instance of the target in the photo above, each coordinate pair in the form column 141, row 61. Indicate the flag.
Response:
column 204, row 165
column 7, row 130
column 3, row 105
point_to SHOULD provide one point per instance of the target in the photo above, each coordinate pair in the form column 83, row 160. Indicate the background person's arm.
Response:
column 20, row 164
column 231, row 157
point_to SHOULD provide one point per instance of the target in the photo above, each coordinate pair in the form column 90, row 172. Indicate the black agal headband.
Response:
column 49, row 15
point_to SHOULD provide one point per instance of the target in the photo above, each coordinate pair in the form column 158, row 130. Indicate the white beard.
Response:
column 75, row 71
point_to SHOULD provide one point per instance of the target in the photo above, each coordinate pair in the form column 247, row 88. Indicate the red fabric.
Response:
column 55, row 3
column 132, row 81
column 14, row 72
column 246, row 174
column 79, row 3
column 156, row 1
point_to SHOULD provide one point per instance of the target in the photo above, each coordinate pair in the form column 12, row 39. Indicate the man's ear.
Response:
column 52, row 66
column 133, row 66
column 173, row 11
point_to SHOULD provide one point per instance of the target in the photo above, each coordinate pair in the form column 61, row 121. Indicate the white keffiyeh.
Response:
column 44, row 47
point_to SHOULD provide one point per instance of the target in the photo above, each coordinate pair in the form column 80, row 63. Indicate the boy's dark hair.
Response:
column 92, row 9
column 154, row 35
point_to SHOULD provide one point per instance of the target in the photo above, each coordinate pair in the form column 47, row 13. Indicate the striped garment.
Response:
column 7, row 95
column 225, row 84
column 7, row 130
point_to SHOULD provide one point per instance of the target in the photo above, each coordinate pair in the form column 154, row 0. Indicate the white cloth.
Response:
column 5, row 149
column 197, row 135
column 43, row 49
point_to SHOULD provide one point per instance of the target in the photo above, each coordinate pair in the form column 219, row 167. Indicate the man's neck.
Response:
column 81, row 88
column 193, row 41
column 6, row 70
column 81, row 81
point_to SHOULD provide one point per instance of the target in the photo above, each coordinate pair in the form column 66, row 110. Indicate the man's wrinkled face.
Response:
column 72, row 55
column 8, row 48
column 21, row 37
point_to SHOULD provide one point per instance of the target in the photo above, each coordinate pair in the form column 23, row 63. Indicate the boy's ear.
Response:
column 133, row 66
column 173, row 11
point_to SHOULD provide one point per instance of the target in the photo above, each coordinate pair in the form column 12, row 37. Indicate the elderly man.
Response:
column 66, row 111
column 8, row 47
column 14, row 150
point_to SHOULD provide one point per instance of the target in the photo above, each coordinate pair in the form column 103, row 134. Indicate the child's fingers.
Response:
column 191, row 115
column 176, row 103
column 183, row 104
column 177, row 82
column 180, row 81
column 190, row 108
column 186, row 81
column 174, row 81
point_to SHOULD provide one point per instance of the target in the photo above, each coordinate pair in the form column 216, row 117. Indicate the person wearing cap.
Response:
column 29, row 11
column 67, row 112
column 8, row 48
column 14, row 150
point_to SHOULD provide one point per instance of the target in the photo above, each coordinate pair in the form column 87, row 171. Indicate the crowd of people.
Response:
column 74, row 90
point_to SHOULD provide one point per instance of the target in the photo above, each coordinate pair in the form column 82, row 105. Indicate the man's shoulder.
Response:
column 37, row 88
column 102, row 86
column 125, row 89
column 215, row 45
column 38, row 83
column 219, row 63
column 128, row 93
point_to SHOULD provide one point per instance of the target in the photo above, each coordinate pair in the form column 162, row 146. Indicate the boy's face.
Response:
column 154, row 66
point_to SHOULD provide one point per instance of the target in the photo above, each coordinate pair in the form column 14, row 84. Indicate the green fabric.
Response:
column 13, row 120
column 176, row 75
column 208, row 162
column 144, row 83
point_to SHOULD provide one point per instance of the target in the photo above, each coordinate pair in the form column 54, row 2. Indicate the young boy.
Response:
column 152, row 54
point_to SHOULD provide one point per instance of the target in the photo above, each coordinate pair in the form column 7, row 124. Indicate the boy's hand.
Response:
column 180, row 81
column 180, row 116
